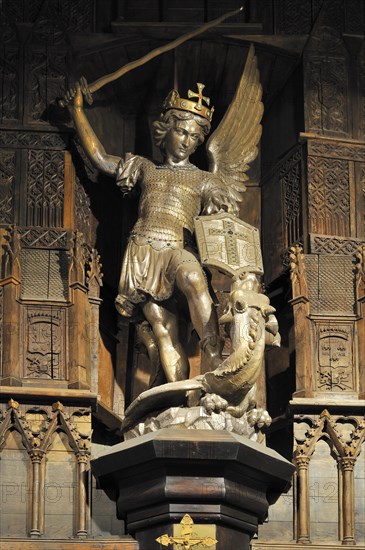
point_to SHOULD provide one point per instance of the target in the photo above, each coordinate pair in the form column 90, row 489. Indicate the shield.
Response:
column 229, row 244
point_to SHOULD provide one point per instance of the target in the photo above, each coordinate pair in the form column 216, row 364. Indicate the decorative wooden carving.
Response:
column 78, row 259
column 9, row 81
column 44, row 274
column 354, row 17
column 82, row 209
column 48, row 269
column 45, row 343
column 36, row 237
column 300, row 303
column 336, row 149
column 290, row 177
column 9, row 281
column 328, row 196
column 7, row 177
column 45, row 188
column 326, row 244
column 336, row 361
column 327, row 103
column 326, row 98
column 360, row 296
column 33, row 140
column 94, row 274
column 10, row 267
column 297, row 273
column 330, row 284
column 323, row 286
column 296, row 16
column 361, row 120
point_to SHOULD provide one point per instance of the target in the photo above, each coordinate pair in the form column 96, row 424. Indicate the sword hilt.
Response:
column 85, row 92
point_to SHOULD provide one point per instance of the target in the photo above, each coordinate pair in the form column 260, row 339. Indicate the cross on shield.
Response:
column 228, row 243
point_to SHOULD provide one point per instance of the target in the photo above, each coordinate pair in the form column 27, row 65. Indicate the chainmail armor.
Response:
column 170, row 200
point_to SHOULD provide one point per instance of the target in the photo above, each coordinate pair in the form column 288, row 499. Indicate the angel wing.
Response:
column 233, row 145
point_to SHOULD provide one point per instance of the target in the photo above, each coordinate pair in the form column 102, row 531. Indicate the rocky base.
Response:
column 197, row 418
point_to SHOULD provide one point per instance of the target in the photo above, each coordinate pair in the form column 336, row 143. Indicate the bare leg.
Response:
column 191, row 281
column 165, row 327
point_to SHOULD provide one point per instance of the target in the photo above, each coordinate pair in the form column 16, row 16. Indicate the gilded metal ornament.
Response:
column 187, row 539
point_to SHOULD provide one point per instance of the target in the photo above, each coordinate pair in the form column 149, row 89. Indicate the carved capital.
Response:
column 302, row 462
column 347, row 463
column 83, row 457
column 36, row 456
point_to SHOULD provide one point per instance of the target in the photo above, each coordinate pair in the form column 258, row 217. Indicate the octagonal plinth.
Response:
column 216, row 477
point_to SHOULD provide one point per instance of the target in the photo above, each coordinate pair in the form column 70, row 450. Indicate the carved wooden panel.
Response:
column 7, row 186
column 326, row 244
column 361, row 120
column 9, row 83
column 327, row 107
column 354, row 16
column 45, row 188
column 329, row 196
column 336, row 149
column 290, row 180
column 46, row 77
column 331, row 284
column 335, row 361
column 21, row 11
column 44, row 343
column 44, row 274
column 82, row 210
column 36, row 237
column 34, row 140
column 296, row 17
column 326, row 104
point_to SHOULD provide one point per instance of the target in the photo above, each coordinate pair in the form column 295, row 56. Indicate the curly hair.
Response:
column 170, row 117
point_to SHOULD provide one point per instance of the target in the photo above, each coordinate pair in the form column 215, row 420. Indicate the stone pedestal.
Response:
column 218, row 478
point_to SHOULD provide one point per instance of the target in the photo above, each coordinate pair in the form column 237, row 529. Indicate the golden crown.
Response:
column 174, row 101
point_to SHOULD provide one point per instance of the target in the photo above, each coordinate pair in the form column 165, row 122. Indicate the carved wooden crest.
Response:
column 229, row 244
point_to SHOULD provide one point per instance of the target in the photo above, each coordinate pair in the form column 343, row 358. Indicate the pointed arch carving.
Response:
column 37, row 440
column 345, row 451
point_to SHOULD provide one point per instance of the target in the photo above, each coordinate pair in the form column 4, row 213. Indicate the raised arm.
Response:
column 108, row 164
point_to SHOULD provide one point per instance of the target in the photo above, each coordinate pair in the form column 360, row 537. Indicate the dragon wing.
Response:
column 233, row 145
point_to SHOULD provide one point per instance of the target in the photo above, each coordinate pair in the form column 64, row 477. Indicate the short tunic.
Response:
column 170, row 199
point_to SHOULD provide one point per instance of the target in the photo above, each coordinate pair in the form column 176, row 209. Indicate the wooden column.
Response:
column 79, row 318
column 348, row 504
column 303, row 499
column 10, row 374
column 360, row 296
column 300, row 304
